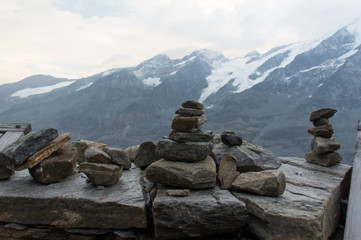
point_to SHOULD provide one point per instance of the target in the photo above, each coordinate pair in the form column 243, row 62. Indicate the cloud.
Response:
column 78, row 38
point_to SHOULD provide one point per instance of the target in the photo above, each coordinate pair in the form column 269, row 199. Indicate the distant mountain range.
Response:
column 266, row 98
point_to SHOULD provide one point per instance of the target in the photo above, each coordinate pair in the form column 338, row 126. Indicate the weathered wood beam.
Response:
column 15, row 127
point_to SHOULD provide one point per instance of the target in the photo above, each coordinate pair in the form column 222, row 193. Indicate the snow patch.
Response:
column 320, row 85
column 107, row 73
column 152, row 81
column 184, row 62
column 40, row 90
column 85, row 86
column 173, row 73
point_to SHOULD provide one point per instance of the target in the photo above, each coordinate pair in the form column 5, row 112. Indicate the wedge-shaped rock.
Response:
column 102, row 174
column 118, row 156
column 227, row 172
column 57, row 167
column 321, row 145
column 186, row 152
column 326, row 160
column 189, row 112
column 45, row 152
column 322, row 113
column 18, row 152
column 82, row 145
column 249, row 157
column 199, row 136
column 203, row 213
column 325, row 131
column 73, row 203
column 267, row 182
column 188, row 124
column 146, row 154
column 197, row 175
column 308, row 209
column 95, row 155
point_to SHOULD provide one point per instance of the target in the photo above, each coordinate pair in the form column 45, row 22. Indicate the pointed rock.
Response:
column 266, row 183
column 321, row 145
column 146, row 154
column 188, row 124
column 118, row 156
column 322, row 113
column 227, row 172
column 193, row 104
column 326, row 160
column 39, row 156
column 82, row 145
column 18, row 152
column 187, row 152
column 197, row 175
column 325, row 131
column 95, row 155
column 57, row 167
column 102, row 174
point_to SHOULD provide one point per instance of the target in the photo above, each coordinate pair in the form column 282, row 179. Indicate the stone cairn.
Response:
column 323, row 146
column 46, row 154
column 185, row 161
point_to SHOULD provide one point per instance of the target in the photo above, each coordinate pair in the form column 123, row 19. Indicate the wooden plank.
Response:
column 15, row 127
column 353, row 219
column 8, row 138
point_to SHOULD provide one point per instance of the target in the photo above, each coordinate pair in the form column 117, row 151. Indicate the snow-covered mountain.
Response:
column 266, row 98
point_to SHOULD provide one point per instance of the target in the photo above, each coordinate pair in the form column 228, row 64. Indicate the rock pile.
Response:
column 45, row 153
column 323, row 146
column 104, row 167
column 185, row 160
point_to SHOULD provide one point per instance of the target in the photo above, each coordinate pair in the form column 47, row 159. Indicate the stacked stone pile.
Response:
column 103, row 167
column 45, row 153
column 323, row 146
column 185, row 160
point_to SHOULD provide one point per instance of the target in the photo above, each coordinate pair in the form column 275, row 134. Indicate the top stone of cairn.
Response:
column 322, row 113
column 192, row 104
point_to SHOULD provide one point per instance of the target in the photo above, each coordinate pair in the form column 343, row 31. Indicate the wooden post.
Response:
column 9, row 133
column 353, row 219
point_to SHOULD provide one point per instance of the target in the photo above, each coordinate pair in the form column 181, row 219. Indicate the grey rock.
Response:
column 5, row 172
column 95, row 155
column 325, row 131
column 118, row 156
column 193, row 104
column 320, row 122
column 227, row 172
column 267, row 182
column 72, row 203
column 326, row 159
column 188, row 124
column 18, row 152
column 189, row 112
column 308, row 209
column 249, row 157
column 101, row 173
column 201, row 214
column 82, row 145
column 178, row 192
column 132, row 152
column 321, row 145
column 231, row 140
column 198, row 136
column 322, row 113
column 146, row 154
column 197, row 175
column 57, row 167
column 187, row 152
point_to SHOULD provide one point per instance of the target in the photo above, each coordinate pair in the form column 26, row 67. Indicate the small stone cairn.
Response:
column 185, row 160
column 323, row 146
column 46, row 154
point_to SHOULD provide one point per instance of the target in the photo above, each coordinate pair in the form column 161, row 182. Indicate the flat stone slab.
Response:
column 74, row 203
column 308, row 209
column 202, row 213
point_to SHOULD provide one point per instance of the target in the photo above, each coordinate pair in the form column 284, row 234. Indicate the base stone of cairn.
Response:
column 185, row 156
column 323, row 146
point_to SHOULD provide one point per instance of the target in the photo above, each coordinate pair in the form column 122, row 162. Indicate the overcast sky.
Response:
column 78, row 38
